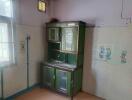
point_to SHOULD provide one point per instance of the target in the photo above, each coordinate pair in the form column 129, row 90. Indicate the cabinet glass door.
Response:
column 62, row 81
column 70, row 39
column 49, row 76
column 53, row 34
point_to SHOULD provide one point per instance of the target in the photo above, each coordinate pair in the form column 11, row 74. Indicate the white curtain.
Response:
column 6, row 34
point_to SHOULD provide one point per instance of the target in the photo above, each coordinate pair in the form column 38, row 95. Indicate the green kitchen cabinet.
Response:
column 48, row 76
column 63, row 69
column 63, row 81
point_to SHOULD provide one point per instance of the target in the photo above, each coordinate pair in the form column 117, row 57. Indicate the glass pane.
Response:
column 69, row 39
column 4, row 52
column 4, row 33
column 4, row 44
column 62, row 81
column 48, row 76
column 5, row 8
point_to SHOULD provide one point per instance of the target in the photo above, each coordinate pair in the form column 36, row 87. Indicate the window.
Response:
column 6, row 33
column 5, row 8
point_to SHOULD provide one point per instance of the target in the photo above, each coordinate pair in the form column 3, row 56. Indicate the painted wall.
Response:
column 28, row 20
column 110, row 80
column 97, row 12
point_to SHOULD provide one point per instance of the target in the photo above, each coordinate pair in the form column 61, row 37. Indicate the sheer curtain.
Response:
column 6, row 33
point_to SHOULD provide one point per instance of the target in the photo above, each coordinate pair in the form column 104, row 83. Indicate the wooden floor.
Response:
column 43, row 94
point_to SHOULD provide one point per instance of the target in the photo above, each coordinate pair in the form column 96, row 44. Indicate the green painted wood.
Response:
column 48, row 76
column 81, row 40
column 63, row 79
column 69, row 83
column 57, row 51
column 54, row 46
column 77, row 80
column 80, row 59
column 59, row 56
column 76, row 83
column 72, row 59
column 62, row 57
column 81, row 44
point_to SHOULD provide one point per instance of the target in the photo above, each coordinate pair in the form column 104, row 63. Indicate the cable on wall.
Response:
column 128, row 19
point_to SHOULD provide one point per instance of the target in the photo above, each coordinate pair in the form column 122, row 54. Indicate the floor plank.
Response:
column 44, row 94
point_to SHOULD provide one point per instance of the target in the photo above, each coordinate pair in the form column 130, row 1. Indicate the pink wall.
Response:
column 28, row 20
column 98, row 12
column 27, row 13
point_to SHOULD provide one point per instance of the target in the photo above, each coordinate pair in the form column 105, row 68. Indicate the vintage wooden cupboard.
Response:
column 63, row 70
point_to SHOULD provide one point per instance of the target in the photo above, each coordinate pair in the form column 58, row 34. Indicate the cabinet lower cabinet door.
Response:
column 63, row 79
column 48, row 76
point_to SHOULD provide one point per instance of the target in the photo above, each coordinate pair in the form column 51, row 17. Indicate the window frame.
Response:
column 9, row 21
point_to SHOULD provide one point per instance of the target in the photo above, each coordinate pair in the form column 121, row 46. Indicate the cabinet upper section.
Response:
column 70, row 35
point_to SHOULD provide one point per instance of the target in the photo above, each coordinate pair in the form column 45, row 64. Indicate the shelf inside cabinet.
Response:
column 65, row 51
column 54, row 41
